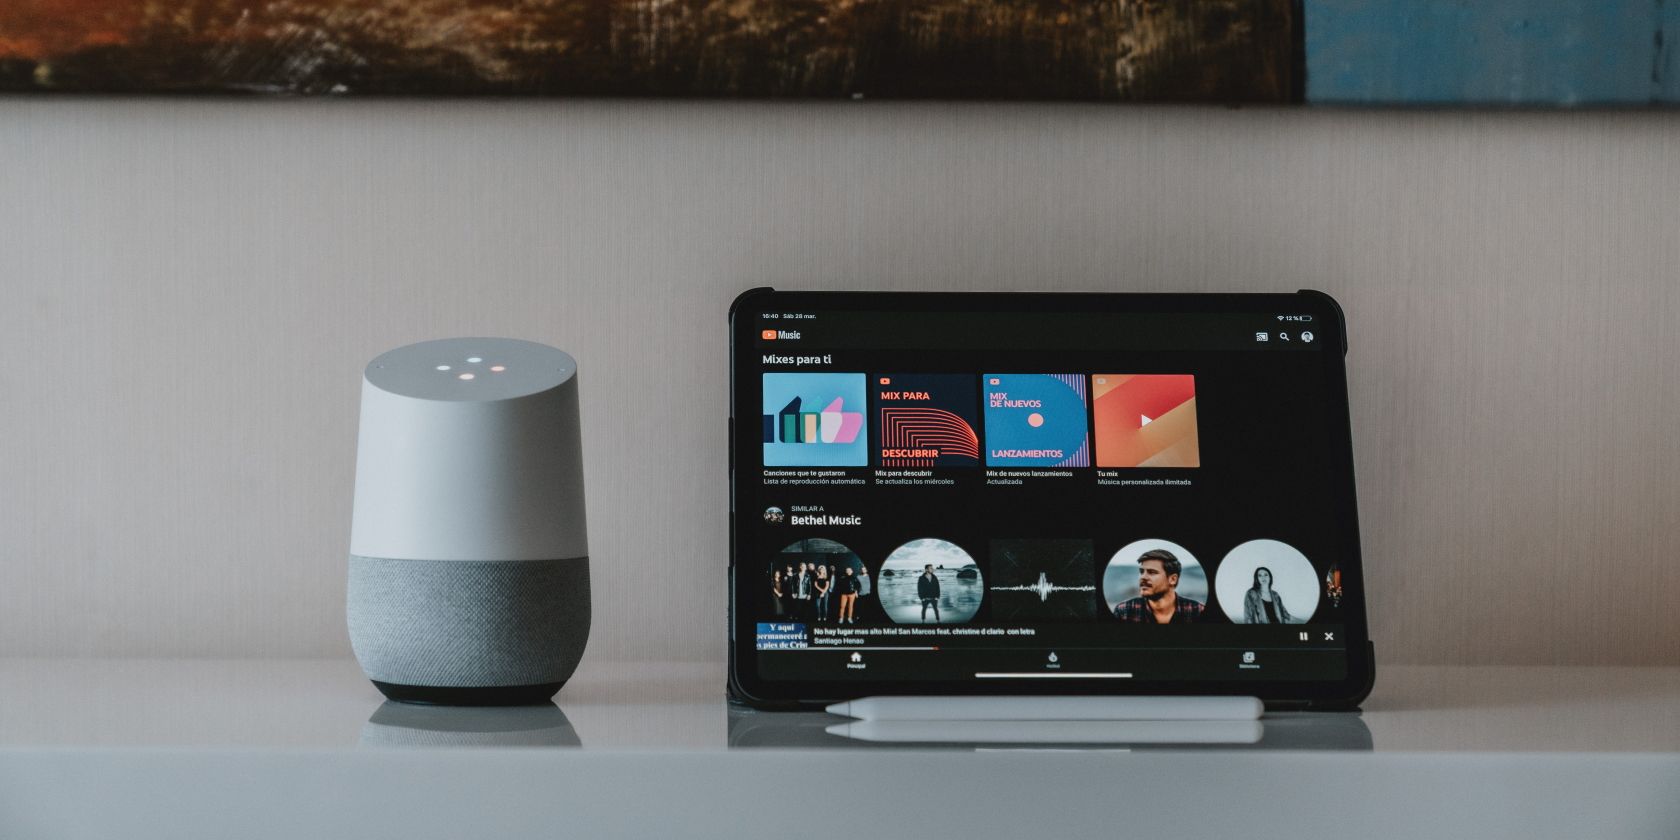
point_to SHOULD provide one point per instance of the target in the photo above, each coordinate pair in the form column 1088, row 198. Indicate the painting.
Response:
column 1526, row 53
column 1139, row 50
column 1502, row 53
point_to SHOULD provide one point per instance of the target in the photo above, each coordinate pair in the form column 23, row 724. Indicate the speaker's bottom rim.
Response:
column 493, row 695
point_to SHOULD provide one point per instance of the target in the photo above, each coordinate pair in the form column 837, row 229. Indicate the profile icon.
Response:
column 774, row 516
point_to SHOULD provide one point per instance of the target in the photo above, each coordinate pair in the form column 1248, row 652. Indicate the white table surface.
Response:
column 253, row 748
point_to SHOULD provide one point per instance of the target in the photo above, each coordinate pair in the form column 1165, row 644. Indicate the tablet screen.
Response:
column 1012, row 492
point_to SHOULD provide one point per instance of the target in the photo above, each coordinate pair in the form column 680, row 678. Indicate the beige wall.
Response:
column 191, row 289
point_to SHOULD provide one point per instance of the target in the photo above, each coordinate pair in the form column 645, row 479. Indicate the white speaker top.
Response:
column 469, row 449
column 470, row 369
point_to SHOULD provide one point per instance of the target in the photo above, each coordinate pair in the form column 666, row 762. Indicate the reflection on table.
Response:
column 1280, row 731
column 410, row 725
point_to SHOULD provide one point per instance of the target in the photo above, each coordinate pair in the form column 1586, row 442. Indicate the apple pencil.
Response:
column 1051, row 708
column 1050, row 731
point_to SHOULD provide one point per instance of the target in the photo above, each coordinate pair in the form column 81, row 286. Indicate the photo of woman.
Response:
column 777, row 608
column 1261, row 605
column 820, row 589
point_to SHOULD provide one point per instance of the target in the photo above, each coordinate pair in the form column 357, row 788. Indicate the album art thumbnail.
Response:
column 931, row 581
column 1043, row 580
column 1267, row 582
column 1035, row 420
column 814, row 420
column 1145, row 420
column 805, row 582
column 927, row 420
column 1149, row 573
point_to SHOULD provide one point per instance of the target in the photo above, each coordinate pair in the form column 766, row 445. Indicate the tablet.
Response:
column 1042, row 494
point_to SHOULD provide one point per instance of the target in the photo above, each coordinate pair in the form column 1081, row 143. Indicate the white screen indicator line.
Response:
column 1048, row 675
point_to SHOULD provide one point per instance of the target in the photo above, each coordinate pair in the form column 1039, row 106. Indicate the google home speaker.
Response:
column 469, row 568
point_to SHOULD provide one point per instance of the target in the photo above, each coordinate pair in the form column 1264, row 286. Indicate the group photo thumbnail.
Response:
column 817, row 581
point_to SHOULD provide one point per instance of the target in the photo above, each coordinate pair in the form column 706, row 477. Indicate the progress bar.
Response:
column 1045, row 675
column 843, row 649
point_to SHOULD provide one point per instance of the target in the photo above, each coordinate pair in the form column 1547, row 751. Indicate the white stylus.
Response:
column 1051, row 708
column 1051, row 731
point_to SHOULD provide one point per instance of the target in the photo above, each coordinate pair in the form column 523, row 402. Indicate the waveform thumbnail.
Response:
column 1043, row 580
column 1043, row 588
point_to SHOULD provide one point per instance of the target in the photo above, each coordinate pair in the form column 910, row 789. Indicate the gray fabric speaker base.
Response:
column 468, row 623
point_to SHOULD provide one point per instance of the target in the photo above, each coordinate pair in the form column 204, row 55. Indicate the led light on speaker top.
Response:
column 497, row 368
column 466, row 376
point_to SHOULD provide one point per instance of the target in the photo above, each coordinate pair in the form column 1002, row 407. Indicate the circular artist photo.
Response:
column 774, row 516
column 1155, row 582
column 1267, row 582
column 930, row 581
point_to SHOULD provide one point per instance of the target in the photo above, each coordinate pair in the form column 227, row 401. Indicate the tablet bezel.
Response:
column 747, row 687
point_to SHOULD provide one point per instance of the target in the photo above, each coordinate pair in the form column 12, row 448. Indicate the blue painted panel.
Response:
column 1492, row 52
